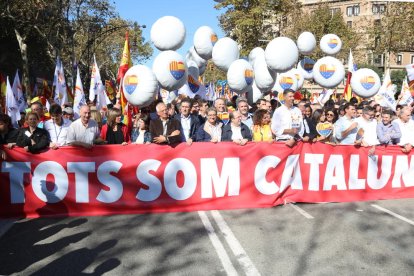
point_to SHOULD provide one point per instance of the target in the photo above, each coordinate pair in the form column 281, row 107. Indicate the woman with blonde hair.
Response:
column 114, row 131
column 32, row 138
column 97, row 117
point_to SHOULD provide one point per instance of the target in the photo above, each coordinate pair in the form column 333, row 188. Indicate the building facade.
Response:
column 361, row 15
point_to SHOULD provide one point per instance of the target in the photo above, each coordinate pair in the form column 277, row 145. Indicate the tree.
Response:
column 397, row 78
column 394, row 31
column 213, row 73
column 321, row 21
column 253, row 22
column 35, row 32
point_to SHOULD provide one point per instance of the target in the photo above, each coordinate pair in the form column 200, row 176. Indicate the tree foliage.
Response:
column 321, row 21
column 394, row 31
column 35, row 32
column 253, row 22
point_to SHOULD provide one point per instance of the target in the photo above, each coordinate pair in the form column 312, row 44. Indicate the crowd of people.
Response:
column 185, row 120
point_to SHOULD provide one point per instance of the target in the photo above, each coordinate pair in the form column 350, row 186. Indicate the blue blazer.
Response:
column 194, row 126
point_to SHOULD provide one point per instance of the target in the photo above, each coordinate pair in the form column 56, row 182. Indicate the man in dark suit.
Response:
column 164, row 130
column 189, row 122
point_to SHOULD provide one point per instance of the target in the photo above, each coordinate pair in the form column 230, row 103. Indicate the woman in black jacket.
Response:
column 32, row 138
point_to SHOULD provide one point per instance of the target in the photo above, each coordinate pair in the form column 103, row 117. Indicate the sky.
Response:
column 193, row 13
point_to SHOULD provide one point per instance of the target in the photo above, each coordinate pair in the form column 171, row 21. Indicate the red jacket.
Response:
column 124, row 129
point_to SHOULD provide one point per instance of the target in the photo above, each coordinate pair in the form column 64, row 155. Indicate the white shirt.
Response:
column 58, row 134
column 407, row 132
column 78, row 132
column 186, row 125
column 140, row 138
column 236, row 133
column 370, row 130
column 287, row 118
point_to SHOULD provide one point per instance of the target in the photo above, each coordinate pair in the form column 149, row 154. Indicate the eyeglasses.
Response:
column 330, row 114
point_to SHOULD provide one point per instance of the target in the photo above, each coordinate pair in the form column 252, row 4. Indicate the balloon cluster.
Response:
column 275, row 68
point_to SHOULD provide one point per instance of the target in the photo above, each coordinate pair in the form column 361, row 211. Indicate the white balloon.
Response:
column 306, row 43
column 285, row 81
column 328, row 72
column 263, row 77
column 240, row 76
column 225, row 51
column 204, row 40
column 253, row 94
column 365, row 83
column 192, row 55
column 281, row 54
column 140, row 85
column 168, row 33
column 256, row 53
column 193, row 69
column 170, row 70
column 330, row 44
column 299, row 77
column 305, row 66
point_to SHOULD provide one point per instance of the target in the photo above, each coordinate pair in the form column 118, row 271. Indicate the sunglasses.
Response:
column 330, row 114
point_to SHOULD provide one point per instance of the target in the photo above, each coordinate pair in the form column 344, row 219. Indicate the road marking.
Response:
column 393, row 214
column 301, row 211
column 218, row 246
column 238, row 251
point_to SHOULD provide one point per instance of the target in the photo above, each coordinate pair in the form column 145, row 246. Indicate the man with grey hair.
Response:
column 163, row 129
column 243, row 108
column 406, row 125
column 84, row 132
column 222, row 113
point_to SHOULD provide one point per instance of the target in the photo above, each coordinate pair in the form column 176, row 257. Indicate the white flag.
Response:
column 410, row 76
column 47, row 105
column 79, row 96
column 324, row 96
column 18, row 93
column 59, row 82
column 12, row 106
column 97, row 88
column 351, row 65
column 385, row 96
column 406, row 98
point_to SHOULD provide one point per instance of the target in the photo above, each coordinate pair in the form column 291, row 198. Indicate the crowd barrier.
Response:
column 115, row 179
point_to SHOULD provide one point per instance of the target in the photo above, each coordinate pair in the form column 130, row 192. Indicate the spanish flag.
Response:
column 126, row 63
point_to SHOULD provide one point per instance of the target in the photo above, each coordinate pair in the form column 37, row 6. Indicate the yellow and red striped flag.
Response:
column 126, row 63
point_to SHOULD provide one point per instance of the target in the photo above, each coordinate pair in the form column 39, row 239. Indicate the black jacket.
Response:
column 156, row 129
column 40, row 136
column 227, row 133
column 10, row 137
column 194, row 125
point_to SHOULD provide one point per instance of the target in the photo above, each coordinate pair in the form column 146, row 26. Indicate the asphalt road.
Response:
column 363, row 238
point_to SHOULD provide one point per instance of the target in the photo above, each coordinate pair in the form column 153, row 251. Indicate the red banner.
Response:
column 130, row 179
